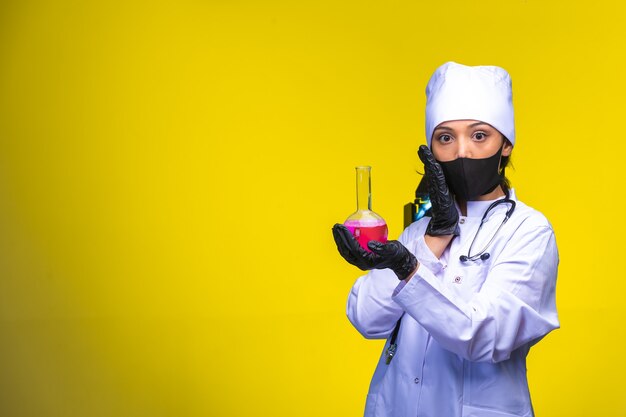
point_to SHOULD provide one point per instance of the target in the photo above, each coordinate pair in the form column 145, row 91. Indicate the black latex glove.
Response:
column 393, row 254
column 444, row 216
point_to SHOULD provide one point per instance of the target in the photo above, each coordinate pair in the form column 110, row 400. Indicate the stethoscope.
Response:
column 482, row 255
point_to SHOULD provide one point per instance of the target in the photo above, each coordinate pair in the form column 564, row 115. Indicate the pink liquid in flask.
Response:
column 366, row 230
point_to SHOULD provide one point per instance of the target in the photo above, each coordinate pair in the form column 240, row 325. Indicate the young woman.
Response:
column 462, row 295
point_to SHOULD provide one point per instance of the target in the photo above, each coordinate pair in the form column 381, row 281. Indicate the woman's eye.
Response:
column 445, row 138
column 480, row 135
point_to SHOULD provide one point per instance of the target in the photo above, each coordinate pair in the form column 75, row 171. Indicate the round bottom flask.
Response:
column 364, row 224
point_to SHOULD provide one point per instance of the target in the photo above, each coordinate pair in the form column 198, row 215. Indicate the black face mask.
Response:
column 470, row 178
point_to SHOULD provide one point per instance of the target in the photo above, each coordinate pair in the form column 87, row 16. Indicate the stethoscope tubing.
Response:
column 483, row 255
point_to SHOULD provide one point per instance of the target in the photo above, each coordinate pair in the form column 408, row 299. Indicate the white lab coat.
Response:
column 467, row 328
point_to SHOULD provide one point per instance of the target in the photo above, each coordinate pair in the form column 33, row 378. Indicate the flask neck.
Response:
column 363, row 188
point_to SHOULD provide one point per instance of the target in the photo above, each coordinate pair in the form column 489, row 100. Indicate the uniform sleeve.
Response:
column 370, row 307
column 515, row 306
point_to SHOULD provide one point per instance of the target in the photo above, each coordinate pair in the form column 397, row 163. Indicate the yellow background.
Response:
column 170, row 172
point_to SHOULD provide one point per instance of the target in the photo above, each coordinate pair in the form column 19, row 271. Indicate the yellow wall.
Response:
column 170, row 172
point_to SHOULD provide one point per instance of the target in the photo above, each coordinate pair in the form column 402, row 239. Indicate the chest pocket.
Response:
column 466, row 278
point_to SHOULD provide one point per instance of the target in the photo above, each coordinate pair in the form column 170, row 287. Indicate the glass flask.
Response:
column 364, row 224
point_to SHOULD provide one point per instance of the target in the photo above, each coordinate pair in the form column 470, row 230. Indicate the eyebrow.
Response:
column 478, row 124
column 472, row 125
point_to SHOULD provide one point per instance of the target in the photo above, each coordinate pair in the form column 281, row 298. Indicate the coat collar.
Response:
column 478, row 208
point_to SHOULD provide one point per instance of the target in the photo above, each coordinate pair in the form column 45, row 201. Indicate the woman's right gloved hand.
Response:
column 445, row 217
column 393, row 254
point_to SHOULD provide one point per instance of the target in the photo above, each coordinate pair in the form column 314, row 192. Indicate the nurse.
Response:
column 462, row 295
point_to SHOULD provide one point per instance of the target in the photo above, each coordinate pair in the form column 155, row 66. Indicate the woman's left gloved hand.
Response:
column 393, row 254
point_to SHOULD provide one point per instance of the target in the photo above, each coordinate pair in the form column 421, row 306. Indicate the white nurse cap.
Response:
column 458, row 92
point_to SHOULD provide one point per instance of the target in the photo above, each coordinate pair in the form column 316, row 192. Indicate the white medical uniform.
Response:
column 467, row 327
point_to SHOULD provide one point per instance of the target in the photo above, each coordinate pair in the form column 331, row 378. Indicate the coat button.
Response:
column 462, row 221
column 416, row 380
